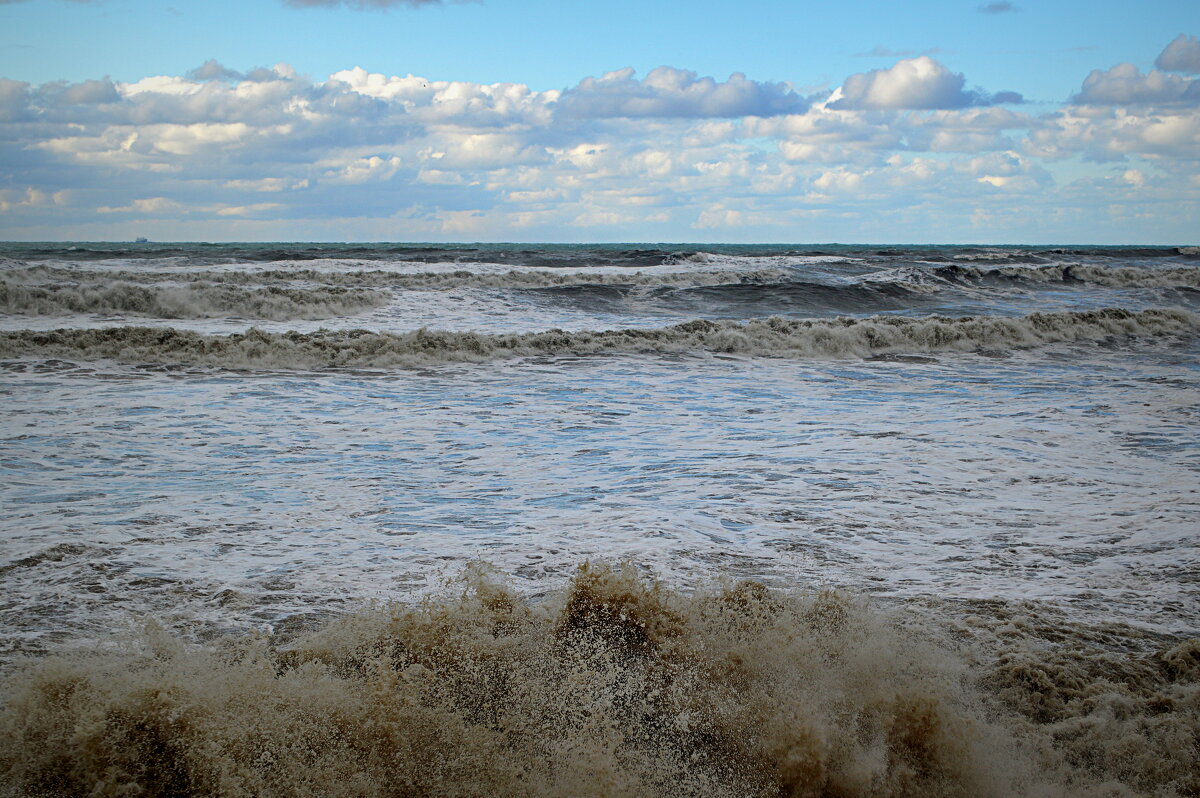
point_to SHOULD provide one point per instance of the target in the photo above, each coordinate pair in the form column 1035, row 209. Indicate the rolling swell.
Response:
column 555, row 256
column 772, row 337
column 748, row 299
column 906, row 280
column 740, row 299
column 534, row 256
column 1108, row 276
column 189, row 301
column 619, row 686
column 459, row 278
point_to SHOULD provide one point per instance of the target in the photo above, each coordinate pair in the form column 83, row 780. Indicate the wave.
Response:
column 743, row 260
column 791, row 296
column 772, row 337
column 905, row 278
column 1109, row 276
column 198, row 301
column 562, row 255
column 1130, row 252
column 849, row 254
column 618, row 686
column 947, row 253
column 458, row 278
column 535, row 256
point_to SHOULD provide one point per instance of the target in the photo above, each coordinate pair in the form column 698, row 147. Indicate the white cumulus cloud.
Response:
column 914, row 83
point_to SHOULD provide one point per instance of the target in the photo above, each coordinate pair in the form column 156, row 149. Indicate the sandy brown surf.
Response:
column 842, row 337
column 619, row 686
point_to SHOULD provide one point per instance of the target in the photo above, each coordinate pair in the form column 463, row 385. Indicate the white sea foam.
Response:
column 734, row 261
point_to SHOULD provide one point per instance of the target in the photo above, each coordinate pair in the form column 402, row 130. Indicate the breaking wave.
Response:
column 910, row 278
column 192, row 301
column 618, row 686
column 772, row 337
column 1108, row 276
column 555, row 256
column 458, row 278
column 536, row 256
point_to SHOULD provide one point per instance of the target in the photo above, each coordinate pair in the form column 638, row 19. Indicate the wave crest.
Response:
column 1108, row 276
column 191, row 301
column 457, row 278
column 773, row 337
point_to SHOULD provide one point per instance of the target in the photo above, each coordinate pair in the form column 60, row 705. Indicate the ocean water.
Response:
column 295, row 519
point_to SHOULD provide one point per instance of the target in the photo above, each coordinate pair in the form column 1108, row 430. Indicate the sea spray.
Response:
column 614, row 686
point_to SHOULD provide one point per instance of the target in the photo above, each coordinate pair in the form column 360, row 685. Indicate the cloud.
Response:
column 30, row 197
column 1106, row 135
column 441, row 102
column 371, row 155
column 14, row 100
column 242, row 210
column 88, row 92
column 361, row 4
column 1181, row 55
column 361, row 170
column 998, row 7
column 664, row 93
column 157, row 206
column 91, row 92
column 916, row 84
column 212, row 70
column 148, row 205
column 669, row 92
column 267, row 184
column 1124, row 84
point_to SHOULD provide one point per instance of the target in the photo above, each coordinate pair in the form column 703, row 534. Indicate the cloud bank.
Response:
column 666, row 92
column 1124, row 84
column 905, row 152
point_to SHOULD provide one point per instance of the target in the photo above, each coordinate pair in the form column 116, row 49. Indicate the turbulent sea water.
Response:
column 296, row 519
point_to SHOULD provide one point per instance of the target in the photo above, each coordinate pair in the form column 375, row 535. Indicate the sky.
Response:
column 1059, row 121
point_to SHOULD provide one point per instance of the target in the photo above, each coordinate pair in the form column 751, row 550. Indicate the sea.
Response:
column 632, row 519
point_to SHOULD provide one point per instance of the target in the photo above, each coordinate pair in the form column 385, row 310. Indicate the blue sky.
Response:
column 864, row 121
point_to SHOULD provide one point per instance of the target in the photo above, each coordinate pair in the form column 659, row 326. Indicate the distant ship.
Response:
column 141, row 240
